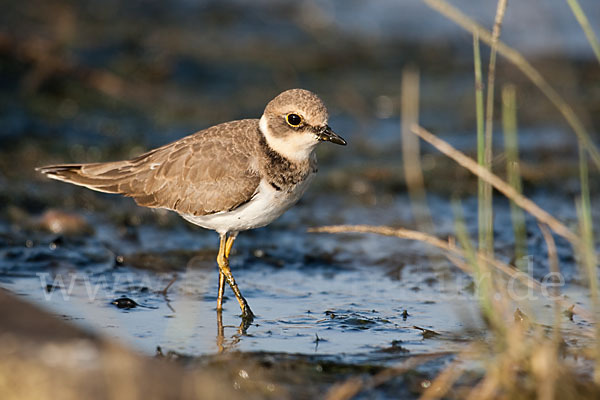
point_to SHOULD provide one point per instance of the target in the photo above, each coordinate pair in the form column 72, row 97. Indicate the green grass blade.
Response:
column 513, row 172
column 512, row 55
column 481, row 184
column 585, row 25
column 588, row 254
column 481, row 273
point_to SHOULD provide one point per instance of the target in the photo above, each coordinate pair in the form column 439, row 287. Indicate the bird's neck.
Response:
column 296, row 148
column 284, row 173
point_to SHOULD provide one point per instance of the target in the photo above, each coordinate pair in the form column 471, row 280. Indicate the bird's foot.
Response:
column 247, row 317
column 246, row 323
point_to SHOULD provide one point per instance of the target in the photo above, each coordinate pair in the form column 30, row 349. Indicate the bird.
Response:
column 231, row 177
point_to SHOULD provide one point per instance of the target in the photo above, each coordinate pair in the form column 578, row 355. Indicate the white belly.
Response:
column 267, row 205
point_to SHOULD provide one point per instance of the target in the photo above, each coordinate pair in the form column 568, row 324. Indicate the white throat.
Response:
column 294, row 147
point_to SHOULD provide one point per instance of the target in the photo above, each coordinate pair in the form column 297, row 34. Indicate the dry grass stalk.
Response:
column 411, row 153
column 520, row 62
column 552, row 253
column 499, row 184
column 452, row 251
column 353, row 386
column 548, row 390
column 345, row 390
column 444, row 381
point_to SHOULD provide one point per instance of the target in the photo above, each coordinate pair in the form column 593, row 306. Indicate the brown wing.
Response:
column 207, row 172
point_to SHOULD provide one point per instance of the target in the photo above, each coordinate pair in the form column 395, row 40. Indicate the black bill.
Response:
column 325, row 134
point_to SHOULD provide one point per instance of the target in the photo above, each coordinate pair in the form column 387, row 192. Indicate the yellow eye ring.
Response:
column 293, row 120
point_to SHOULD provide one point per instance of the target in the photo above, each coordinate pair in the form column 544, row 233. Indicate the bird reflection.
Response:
column 230, row 343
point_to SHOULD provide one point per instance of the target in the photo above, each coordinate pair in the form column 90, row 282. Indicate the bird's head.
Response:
column 294, row 122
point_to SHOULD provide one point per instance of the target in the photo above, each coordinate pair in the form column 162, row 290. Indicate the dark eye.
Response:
column 293, row 120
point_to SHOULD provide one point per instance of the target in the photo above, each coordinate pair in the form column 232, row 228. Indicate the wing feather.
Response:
column 204, row 173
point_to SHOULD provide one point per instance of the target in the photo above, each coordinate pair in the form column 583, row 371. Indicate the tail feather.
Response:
column 103, row 177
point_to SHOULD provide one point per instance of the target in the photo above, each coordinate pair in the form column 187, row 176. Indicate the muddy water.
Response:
column 309, row 293
column 357, row 299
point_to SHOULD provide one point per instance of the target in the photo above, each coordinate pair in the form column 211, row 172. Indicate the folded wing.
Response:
column 205, row 173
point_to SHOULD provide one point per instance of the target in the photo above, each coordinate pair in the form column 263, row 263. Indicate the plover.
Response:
column 231, row 177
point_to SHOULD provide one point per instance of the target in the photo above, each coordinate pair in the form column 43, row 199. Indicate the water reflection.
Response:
column 222, row 344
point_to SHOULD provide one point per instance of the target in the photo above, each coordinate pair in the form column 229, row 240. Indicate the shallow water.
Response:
column 337, row 296
column 310, row 314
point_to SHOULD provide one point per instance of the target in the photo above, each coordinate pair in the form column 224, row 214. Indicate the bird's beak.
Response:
column 325, row 134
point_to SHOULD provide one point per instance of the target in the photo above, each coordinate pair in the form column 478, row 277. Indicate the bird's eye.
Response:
column 293, row 120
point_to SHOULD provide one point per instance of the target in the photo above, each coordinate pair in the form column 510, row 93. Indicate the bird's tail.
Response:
column 110, row 177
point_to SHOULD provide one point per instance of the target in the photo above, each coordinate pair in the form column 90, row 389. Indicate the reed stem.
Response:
column 513, row 172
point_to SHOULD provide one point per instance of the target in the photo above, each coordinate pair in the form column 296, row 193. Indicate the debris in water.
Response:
column 427, row 333
column 520, row 316
column 125, row 303
column 395, row 348
column 570, row 312
column 166, row 289
column 50, row 287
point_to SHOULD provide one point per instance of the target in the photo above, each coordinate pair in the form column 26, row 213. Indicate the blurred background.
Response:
column 90, row 80
column 99, row 80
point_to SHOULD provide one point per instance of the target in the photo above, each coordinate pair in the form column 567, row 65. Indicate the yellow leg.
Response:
column 229, row 244
column 228, row 247
column 225, row 246
column 221, row 290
